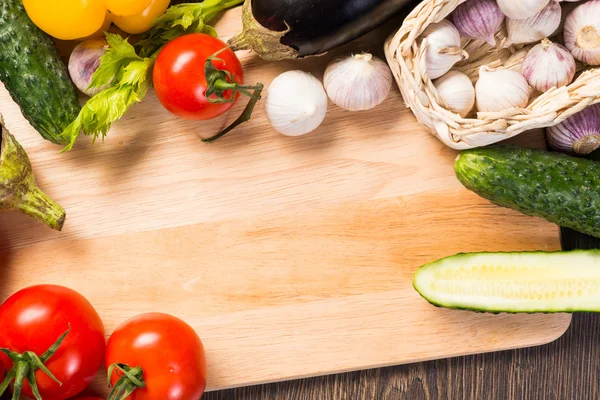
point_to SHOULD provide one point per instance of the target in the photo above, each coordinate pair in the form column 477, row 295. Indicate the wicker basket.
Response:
column 406, row 57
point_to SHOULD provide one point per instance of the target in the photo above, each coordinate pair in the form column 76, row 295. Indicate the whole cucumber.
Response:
column 34, row 74
column 561, row 189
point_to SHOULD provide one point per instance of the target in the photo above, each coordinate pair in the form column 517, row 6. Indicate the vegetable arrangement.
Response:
column 198, row 77
column 52, row 341
column 557, row 187
column 127, row 68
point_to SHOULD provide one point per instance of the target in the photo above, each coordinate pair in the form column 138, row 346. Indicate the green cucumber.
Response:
column 561, row 189
column 533, row 282
column 34, row 74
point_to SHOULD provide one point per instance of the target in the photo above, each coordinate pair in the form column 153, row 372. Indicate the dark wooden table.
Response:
column 567, row 369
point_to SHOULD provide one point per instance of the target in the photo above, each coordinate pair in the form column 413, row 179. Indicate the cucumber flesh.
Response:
column 534, row 282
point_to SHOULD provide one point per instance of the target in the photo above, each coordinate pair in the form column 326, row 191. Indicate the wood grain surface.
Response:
column 565, row 369
column 290, row 257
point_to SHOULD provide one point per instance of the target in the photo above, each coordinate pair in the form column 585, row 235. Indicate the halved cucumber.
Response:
column 534, row 282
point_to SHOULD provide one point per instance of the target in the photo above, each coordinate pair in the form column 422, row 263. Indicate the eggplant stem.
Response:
column 38, row 205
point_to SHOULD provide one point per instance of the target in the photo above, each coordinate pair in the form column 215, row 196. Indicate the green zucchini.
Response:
column 533, row 282
column 34, row 74
column 561, row 189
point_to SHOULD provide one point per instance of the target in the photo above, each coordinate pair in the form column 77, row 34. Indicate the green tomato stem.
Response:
column 246, row 115
column 130, row 380
column 24, row 367
column 221, row 81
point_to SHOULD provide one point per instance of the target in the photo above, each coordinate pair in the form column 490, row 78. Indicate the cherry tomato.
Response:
column 34, row 318
column 168, row 352
column 126, row 7
column 140, row 23
column 179, row 76
column 67, row 19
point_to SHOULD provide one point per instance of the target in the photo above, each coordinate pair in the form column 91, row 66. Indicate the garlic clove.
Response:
column 548, row 65
column 443, row 48
column 359, row 82
column 535, row 28
column 296, row 103
column 478, row 19
column 582, row 32
column 456, row 92
column 578, row 134
column 521, row 8
column 500, row 89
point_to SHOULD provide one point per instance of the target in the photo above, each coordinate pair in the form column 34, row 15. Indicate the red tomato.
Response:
column 169, row 352
column 88, row 398
column 35, row 317
column 180, row 81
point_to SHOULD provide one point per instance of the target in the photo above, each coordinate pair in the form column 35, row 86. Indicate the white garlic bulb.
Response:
column 296, row 103
column 359, row 82
column 500, row 89
column 548, row 65
column 521, row 8
column 582, row 32
column 456, row 92
column 535, row 28
column 443, row 48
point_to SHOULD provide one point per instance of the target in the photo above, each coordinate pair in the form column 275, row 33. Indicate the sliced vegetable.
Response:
column 155, row 357
column 18, row 189
column 52, row 340
column 34, row 74
column 130, row 68
column 563, row 190
column 278, row 30
column 534, row 282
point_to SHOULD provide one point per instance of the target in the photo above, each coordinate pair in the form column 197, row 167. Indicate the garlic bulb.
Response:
column 548, row 65
column 456, row 92
column 296, row 103
column 359, row 82
column 582, row 32
column 521, row 8
column 478, row 19
column 579, row 134
column 533, row 29
column 443, row 48
column 501, row 89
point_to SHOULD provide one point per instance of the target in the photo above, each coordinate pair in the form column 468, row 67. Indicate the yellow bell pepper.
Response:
column 140, row 23
column 78, row 19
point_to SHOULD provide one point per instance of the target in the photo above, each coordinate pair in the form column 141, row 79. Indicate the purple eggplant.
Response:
column 287, row 29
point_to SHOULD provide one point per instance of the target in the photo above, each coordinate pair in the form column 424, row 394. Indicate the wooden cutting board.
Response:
column 291, row 257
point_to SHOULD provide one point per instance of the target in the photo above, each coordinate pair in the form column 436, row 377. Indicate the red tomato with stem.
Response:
column 61, row 328
column 198, row 77
column 156, row 357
